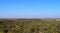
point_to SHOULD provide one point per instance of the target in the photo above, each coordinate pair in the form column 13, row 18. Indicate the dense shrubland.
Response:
column 29, row 26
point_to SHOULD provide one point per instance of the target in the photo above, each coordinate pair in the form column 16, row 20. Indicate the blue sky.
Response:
column 29, row 8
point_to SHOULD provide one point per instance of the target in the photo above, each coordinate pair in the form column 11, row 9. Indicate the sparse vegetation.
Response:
column 29, row 26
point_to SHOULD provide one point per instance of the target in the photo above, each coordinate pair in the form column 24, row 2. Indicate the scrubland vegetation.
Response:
column 29, row 26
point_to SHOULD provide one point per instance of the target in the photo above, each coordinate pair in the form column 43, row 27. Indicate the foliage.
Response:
column 29, row 26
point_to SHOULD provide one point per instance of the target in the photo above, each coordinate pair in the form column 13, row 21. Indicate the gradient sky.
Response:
column 29, row 8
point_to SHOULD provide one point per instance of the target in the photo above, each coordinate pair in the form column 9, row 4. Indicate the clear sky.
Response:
column 29, row 8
